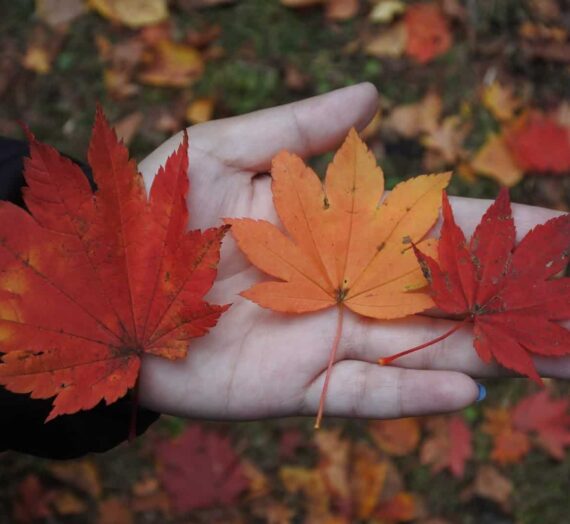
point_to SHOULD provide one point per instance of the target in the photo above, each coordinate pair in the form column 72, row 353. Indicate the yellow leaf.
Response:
column 173, row 65
column 200, row 110
column 500, row 101
column 386, row 10
column 132, row 13
column 494, row 160
column 390, row 42
column 37, row 59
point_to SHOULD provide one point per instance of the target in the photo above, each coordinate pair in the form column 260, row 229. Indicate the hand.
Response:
column 257, row 363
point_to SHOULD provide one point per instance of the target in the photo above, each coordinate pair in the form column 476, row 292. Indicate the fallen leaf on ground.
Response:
column 449, row 445
column 347, row 248
column 172, row 64
column 447, row 139
column 539, row 143
column 200, row 110
column 128, row 126
column 510, row 445
column 428, row 32
column 389, row 42
column 32, row 500
column 506, row 290
column 398, row 437
column 495, row 160
column 402, row 508
column 547, row 417
column 501, row 101
column 386, row 10
column 132, row 13
column 200, row 469
column 120, row 272
column 492, row 485
column 411, row 120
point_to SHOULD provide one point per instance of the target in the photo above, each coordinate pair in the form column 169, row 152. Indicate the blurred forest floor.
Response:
column 480, row 87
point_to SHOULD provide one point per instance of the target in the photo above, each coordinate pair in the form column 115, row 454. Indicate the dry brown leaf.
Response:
column 389, row 43
column 501, row 101
column 447, row 140
column 58, row 14
column 495, row 160
column 547, row 10
column 42, row 47
column 128, row 126
column 398, row 437
column 200, row 110
column 173, row 65
column 492, row 485
column 411, row 120
column 132, row 13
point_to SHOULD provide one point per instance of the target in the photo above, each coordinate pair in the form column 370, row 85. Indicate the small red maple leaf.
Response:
column 539, row 143
column 549, row 418
column 508, row 292
column 200, row 469
column 89, row 282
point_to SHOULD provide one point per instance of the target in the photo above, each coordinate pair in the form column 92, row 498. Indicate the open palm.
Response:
column 257, row 363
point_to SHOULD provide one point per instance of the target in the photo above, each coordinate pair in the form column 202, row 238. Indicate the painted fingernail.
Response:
column 482, row 392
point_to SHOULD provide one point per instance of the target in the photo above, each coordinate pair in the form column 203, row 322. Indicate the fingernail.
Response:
column 482, row 392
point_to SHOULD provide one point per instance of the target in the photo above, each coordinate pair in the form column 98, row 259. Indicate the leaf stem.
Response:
column 388, row 360
column 332, row 358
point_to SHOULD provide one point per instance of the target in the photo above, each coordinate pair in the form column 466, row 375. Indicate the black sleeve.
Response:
column 23, row 428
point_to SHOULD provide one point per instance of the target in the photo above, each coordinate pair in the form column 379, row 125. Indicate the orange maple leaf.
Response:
column 348, row 247
column 91, row 282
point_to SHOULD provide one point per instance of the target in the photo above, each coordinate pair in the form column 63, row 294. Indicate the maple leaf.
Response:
column 509, row 444
column 507, row 292
column 539, row 143
column 91, row 282
column 200, row 469
column 449, row 446
column 347, row 246
column 428, row 32
column 548, row 417
column 396, row 437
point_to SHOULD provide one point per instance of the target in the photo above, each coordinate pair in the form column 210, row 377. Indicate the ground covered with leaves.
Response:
column 477, row 87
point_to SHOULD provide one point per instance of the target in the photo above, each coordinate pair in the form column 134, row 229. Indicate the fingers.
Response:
column 308, row 127
column 369, row 340
column 359, row 389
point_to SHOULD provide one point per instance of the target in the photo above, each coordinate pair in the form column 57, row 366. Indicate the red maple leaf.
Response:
column 539, row 143
column 428, row 34
column 200, row 469
column 449, row 446
column 548, row 417
column 507, row 292
column 91, row 282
